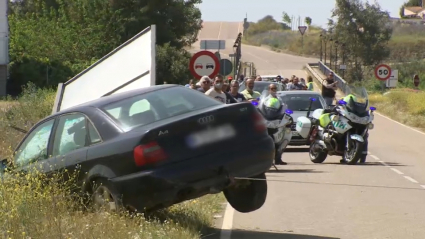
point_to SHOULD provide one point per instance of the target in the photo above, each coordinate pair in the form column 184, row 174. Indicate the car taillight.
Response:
column 148, row 154
column 259, row 122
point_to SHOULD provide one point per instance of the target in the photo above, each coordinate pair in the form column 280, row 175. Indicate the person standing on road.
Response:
column 310, row 83
column 329, row 87
column 216, row 92
column 274, row 101
column 229, row 97
column 249, row 92
column 295, row 85
column 204, row 84
column 234, row 88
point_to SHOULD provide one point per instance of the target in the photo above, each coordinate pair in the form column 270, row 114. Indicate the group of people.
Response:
column 225, row 91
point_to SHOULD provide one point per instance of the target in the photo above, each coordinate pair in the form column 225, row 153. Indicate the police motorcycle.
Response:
column 341, row 130
column 278, row 121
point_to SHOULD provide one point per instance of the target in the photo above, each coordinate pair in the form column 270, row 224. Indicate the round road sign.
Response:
column 226, row 67
column 204, row 63
column 383, row 72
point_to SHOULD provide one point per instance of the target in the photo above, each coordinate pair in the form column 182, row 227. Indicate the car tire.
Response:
column 105, row 197
column 247, row 195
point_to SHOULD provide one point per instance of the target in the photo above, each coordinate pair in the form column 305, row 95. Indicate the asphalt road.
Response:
column 383, row 199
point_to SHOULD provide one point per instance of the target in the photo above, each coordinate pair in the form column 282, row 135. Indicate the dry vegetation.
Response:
column 32, row 206
column 404, row 105
column 406, row 42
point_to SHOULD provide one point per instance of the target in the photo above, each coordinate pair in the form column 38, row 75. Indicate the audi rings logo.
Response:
column 206, row 119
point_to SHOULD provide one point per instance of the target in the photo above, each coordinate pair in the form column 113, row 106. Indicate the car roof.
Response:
column 115, row 97
column 298, row 92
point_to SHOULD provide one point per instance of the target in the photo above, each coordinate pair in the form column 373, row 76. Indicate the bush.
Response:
column 34, row 206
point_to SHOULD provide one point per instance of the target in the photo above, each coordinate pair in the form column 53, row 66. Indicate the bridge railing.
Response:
column 342, row 84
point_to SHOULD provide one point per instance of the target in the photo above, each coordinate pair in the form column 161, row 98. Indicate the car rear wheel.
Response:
column 105, row 197
column 247, row 195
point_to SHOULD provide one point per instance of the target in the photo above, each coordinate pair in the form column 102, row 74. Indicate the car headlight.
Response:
column 370, row 125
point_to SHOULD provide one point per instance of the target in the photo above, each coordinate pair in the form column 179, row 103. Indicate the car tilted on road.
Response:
column 151, row 148
column 299, row 101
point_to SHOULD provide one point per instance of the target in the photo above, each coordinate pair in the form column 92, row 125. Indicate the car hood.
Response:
column 297, row 114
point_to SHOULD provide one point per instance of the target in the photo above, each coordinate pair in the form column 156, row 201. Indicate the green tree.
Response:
column 308, row 21
column 409, row 3
column 52, row 40
column 286, row 19
column 365, row 30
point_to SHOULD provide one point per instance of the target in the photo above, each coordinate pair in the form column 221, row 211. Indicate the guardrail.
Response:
column 342, row 84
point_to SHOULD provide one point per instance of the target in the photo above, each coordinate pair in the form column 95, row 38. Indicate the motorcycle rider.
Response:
column 272, row 101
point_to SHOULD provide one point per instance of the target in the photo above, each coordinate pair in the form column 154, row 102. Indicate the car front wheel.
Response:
column 247, row 195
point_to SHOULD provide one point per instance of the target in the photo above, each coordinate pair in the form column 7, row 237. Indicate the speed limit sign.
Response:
column 383, row 72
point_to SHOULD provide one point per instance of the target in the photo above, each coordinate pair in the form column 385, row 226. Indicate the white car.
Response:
column 299, row 101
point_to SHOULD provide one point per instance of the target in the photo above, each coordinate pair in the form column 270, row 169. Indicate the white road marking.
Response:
column 410, row 179
column 397, row 171
column 226, row 227
column 383, row 163
column 219, row 31
column 373, row 156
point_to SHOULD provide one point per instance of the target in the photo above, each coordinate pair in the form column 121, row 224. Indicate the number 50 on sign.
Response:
column 383, row 72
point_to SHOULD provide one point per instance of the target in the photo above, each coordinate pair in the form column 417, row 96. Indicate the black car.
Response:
column 261, row 86
column 151, row 148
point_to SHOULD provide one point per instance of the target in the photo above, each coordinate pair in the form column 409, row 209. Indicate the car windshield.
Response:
column 157, row 105
column 260, row 86
column 301, row 102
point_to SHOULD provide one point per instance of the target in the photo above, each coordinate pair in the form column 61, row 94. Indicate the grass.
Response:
column 403, row 105
column 32, row 206
column 405, row 44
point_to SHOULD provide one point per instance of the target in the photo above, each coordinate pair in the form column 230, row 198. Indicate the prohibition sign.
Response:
column 383, row 72
column 204, row 63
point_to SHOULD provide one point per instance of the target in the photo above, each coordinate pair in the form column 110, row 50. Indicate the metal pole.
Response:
column 330, row 55
column 325, row 51
column 321, row 48
column 336, row 57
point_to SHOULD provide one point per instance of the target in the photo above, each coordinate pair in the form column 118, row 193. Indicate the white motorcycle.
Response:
column 340, row 130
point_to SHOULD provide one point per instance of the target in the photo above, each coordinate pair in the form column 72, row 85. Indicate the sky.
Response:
column 318, row 10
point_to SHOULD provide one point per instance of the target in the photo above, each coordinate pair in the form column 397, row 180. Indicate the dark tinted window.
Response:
column 260, row 86
column 301, row 102
column 157, row 105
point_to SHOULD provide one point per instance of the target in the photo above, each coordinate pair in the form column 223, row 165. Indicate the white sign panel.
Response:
column 129, row 66
column 213, row 44
column 393, row 80
column 4, row 33
column 342, row 67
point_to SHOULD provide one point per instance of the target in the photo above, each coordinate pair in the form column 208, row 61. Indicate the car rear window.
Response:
column 301, row 102
column 157, row 105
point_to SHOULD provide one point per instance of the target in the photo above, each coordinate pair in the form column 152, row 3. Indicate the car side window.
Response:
column 35, row 146
column 70, row 135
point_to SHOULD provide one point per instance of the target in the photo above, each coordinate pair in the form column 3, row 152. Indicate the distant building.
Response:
column 417, row 12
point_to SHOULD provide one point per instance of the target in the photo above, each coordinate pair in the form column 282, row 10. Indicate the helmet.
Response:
column 272, row 103
column 349, row 97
